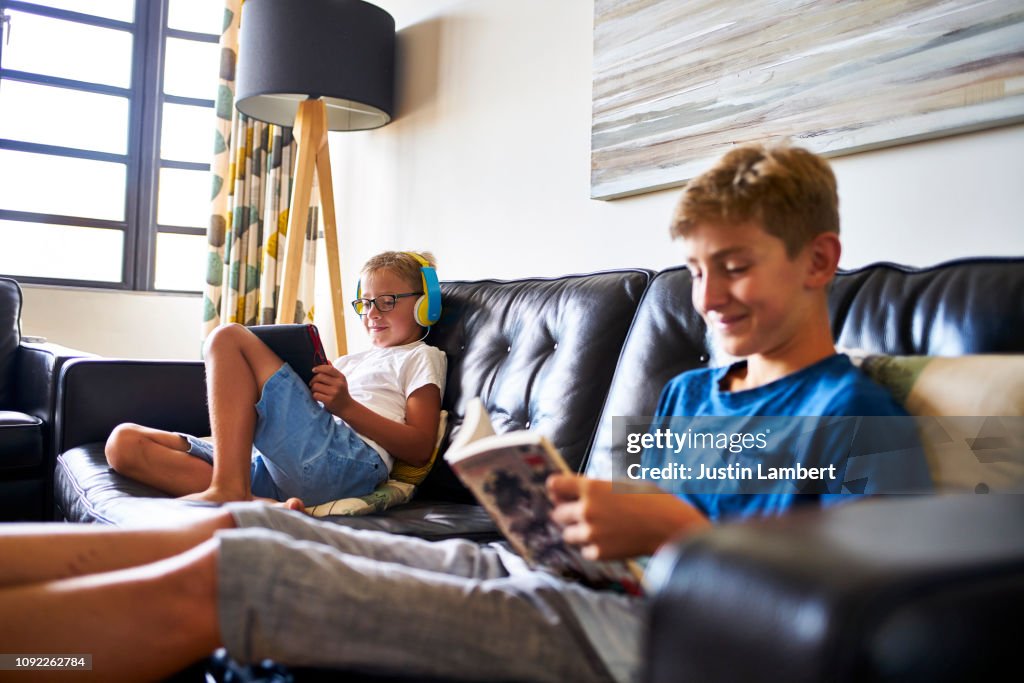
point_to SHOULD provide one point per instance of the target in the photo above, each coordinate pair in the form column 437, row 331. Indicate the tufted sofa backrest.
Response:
column 951, row 309
column 10, row 336
column 954, row 308
column 539, row 352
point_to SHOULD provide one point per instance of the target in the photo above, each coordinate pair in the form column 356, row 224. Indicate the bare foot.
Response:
column 212, row 495
column 290, row 504
column 293, row 504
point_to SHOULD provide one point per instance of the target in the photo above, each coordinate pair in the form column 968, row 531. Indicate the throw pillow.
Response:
column 388, row 494
column 977, row 385
column 970, row 412
column 408, row 474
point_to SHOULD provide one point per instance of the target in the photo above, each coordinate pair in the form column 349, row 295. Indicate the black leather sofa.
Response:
column 541, row 352
column 28, row 389
column 563, row 356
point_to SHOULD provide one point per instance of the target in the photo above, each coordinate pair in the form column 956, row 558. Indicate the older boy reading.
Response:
column 760, row 230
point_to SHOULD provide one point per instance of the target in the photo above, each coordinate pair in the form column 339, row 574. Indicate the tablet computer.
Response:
column 297, row 345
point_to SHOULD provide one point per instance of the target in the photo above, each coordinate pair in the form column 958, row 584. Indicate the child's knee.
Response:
column 225, row 336
column 124, row 445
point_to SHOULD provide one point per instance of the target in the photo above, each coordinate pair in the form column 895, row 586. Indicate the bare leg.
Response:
column 35, row 553
column 157, row 458
column 238, row 364
column 142, row 623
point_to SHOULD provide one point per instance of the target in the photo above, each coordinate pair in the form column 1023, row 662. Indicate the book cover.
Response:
column 507, row 474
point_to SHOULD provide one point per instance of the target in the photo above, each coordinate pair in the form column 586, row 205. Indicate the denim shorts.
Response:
column 300, row 450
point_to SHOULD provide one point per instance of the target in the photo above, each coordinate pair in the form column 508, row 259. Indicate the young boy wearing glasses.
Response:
column 274, row 437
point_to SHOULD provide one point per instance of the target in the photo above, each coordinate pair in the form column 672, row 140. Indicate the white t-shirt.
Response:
column 383, row 378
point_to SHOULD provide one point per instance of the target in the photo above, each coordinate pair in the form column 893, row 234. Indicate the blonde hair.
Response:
column 401, row 263
column 789, row 190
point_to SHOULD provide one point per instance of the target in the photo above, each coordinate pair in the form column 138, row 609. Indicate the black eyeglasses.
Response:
column 384, row 302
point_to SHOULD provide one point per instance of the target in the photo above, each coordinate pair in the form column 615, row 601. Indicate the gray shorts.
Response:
column 306, row 592
column 300, row 449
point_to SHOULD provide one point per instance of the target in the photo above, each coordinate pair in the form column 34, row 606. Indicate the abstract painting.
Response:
column 677, row 83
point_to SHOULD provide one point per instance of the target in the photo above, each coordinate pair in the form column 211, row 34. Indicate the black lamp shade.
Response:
column 342, row 51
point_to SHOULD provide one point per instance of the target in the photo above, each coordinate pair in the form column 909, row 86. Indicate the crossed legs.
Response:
column 238, row 364
column 157, row 458
column 142, row 603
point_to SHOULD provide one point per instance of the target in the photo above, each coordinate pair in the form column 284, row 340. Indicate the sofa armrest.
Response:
column 36, row 373
column 36, row 370
column 926, row 588
column 96, row 395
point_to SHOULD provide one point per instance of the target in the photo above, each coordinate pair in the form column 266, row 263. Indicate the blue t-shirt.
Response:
column 831, row 388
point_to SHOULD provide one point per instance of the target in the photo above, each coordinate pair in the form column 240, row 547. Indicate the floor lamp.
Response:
column 317, row 65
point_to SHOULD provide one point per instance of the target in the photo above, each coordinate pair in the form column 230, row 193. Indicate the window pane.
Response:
column 187, row 133
column 184, row 198
column 60, row 251
column 201, row 16
column 180, row 261
column 61, row 185
column 192, row 68
column 39, row 113
column 122, row 10
column 64, row 48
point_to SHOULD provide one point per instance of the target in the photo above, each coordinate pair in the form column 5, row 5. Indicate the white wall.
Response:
column 932, row 201
column 487, row 164
column 118, row 325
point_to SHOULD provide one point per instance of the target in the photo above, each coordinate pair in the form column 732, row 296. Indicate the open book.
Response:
column 507, row 474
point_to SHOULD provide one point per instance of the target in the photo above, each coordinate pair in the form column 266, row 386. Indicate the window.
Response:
column 107, row 114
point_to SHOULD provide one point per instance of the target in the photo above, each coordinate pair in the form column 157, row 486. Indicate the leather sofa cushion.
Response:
column 21, row 440
column 87, row 490
column 10, row 337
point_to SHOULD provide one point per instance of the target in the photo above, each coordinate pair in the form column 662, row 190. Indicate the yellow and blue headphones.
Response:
column 427, row 310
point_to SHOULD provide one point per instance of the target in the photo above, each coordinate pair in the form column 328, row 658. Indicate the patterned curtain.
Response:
column 253, row 169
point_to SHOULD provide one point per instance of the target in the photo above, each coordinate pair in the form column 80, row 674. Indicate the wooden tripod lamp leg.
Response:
column 310, row 128
column 323, row 169
column 314, row 156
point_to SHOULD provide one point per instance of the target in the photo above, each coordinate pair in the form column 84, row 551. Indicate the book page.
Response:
column 476, row 424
